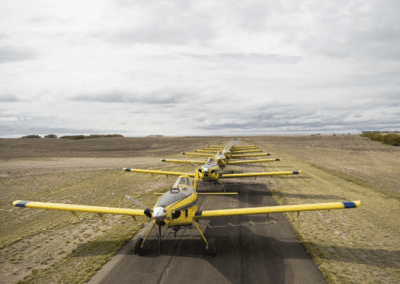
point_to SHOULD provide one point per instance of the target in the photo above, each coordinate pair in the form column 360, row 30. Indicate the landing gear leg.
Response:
column 222, row 185
column 210, row 247
column 147, row 235
column 138, row 244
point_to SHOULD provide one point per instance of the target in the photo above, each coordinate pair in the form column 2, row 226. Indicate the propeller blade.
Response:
column 136, row 201
column 159, row 230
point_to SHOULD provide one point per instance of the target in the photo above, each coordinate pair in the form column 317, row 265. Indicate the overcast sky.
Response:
column 208, row 68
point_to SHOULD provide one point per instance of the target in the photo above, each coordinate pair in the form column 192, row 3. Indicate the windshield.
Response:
column 211, row 161
column 179, row 181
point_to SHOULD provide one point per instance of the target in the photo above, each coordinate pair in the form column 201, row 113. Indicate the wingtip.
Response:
column 162, row 160
column 351, row 204
column 20, row 203
column 127, row 170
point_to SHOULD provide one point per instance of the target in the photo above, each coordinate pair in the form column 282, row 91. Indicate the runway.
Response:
column 266, row 252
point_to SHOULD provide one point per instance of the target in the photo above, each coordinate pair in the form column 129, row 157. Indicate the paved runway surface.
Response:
column 260, row 253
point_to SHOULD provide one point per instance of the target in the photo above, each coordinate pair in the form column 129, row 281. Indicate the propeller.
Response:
column 135, row 201
column 148, row 212
column 159, row 238
column 159, row 215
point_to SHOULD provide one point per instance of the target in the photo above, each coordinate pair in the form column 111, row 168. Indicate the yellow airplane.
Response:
column 245, row 147
column 221, row 161
column 227, row 154
column 209, row 172
column 232, row 147
column 178, row 208
column 230, row 150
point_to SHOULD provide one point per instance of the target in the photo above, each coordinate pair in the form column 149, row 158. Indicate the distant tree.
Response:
column 30, row 136
column 51, row 136
column 376, row 137
column 392, row 139
column 73, row 137
column 77, row 137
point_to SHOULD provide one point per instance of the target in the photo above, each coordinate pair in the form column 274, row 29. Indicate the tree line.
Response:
column 390, row 139
column 74, row 137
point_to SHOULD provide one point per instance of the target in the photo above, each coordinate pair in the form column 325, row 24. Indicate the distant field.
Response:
column 349, row 246
column 100, row 147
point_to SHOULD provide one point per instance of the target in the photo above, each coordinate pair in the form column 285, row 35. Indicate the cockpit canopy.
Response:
column 211, row 161
column 182, row 180
column 181, row 189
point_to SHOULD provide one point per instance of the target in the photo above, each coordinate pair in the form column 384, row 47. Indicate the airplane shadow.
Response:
column 309, row 196
column 243, row 241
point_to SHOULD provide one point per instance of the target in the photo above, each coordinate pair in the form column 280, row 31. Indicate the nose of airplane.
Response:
column 159, row 214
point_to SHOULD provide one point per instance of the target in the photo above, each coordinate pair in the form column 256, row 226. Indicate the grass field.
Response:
column 39, row 246
column 349, row 246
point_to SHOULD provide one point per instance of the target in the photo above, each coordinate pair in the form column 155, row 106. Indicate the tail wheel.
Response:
column 211, row 249
column 136, row 248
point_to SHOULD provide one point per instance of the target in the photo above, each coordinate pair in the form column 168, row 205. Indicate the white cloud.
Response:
column 13, row 118
column 205, row 67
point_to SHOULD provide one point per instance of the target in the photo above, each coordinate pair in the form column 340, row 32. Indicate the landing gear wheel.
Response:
column 136, row 247
column 211, row 250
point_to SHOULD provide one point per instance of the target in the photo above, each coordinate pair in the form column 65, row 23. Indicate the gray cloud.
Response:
column 9, row 98
column 247, row 57
column 205, row 67
column 366, row 30
column 284, row 117
column 10, row 54
column 123, row 97
column 166, row 22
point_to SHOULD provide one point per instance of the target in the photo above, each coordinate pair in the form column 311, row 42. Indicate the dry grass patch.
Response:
column 49, row 246
column 349, row 246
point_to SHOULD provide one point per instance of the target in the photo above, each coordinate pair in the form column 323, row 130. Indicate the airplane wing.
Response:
column 252, row 161
column 158, row 172
column 276, row 209
column 199, row 154
column 78, row 208
column 250, row 155
column 184, row 161
column 259, row 174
